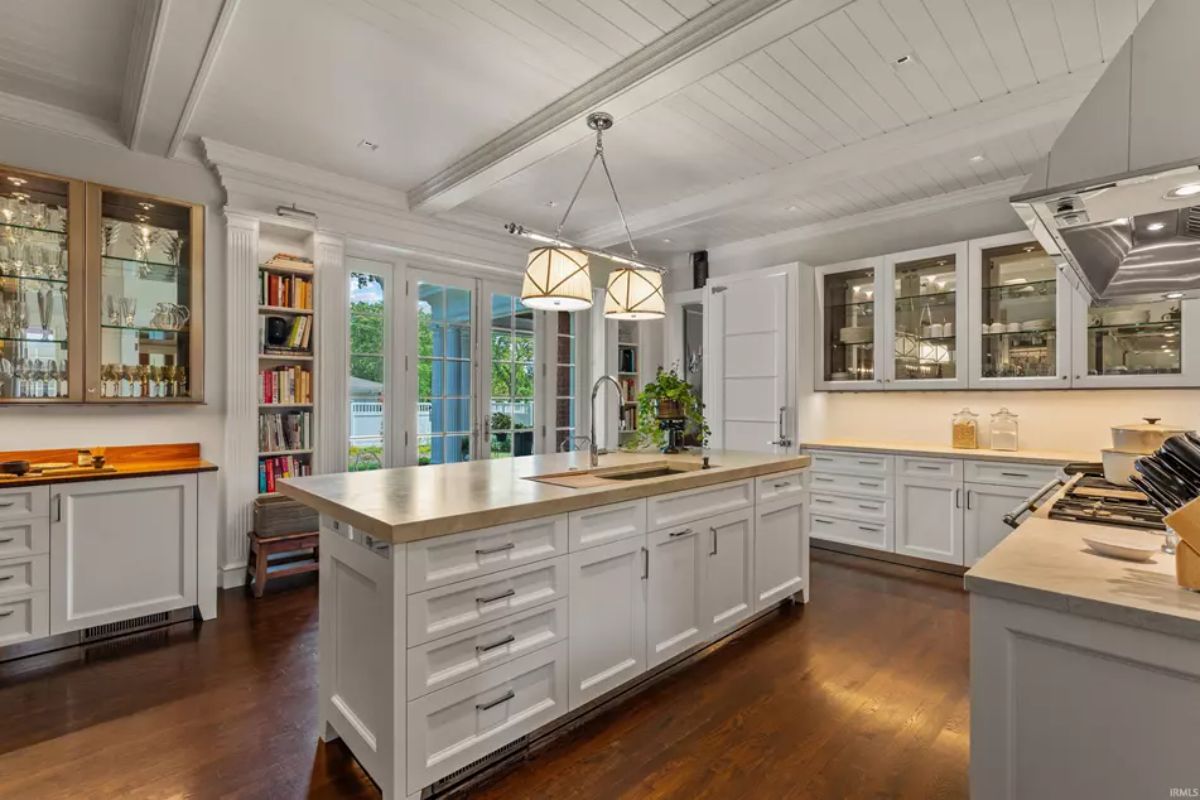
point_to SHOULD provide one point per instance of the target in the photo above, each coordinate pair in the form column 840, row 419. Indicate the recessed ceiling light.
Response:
column 975, row 159
column 551, row 203
column 1186, row 190
column 793, row 208
column 1173, row 295
column 905, row 60
column 366, row 144
column 666, row 241
column 1156, row 226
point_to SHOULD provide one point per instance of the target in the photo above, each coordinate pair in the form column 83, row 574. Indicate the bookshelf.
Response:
column 629, row 363
column 286, row 366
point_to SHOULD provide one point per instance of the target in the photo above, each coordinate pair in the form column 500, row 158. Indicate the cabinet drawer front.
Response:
column 950, row 469
column 25, row 617
column 850, row 463
column 1009, row 474
column 597, row 526
column 27, row 501
column 26, row 537
column 672, row 509
column 435, row 665
column 776, row 487
column 24, row 575
column 872, row 486
column 877, row 535
column 448, row 559
column 863, row 508
column 452, row 727
column 450, row 609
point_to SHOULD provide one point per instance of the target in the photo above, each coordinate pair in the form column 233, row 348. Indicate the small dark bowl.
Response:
column 14, row 467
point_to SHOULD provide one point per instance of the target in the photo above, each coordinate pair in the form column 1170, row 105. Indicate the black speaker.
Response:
column 699, row 269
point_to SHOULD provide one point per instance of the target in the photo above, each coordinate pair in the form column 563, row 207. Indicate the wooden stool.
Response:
column 260, row 568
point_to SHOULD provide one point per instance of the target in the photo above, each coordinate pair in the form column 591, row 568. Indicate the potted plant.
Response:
column 667, row 397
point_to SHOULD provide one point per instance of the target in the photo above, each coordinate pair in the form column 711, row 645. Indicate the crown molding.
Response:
column 24, row 111
column 718, row 36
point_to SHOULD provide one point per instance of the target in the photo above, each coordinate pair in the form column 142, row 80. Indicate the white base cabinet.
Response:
column 929, row 520
column 985, row 507
column 422, row 675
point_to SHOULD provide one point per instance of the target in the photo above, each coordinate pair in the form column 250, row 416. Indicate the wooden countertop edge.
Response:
column 417, row 530
column 122, row 472
column 938, row 451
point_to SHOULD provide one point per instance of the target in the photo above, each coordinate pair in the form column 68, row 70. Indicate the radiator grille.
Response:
column 124, row 626
column 477, row 765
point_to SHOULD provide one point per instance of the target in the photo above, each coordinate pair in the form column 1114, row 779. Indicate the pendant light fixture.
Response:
column 558, row 274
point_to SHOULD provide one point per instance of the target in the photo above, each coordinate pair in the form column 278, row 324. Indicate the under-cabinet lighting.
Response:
column 975, row 159
column 1156, row 226
column 1186, row 190
column 1173, row 295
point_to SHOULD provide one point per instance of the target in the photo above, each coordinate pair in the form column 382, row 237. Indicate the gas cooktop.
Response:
column 1095, row 500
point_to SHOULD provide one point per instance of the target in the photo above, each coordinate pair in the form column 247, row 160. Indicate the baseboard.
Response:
column 891, row 558
column 233, row 575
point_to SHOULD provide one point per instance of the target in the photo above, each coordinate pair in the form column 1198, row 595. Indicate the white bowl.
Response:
column 1118, row 466
column 1127, row 545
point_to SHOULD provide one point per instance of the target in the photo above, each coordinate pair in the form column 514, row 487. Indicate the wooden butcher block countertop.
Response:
column 136, row 461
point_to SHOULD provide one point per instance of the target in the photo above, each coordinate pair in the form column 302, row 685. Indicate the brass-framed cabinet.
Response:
column 101, row 293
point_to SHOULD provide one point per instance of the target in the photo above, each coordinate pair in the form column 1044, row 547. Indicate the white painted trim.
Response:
column 144, row 50
column 15, row 108
column 211, row 51
column 233, row 575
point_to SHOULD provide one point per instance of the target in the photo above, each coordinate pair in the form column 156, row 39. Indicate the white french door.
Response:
column 375, row 437
column 510, row 415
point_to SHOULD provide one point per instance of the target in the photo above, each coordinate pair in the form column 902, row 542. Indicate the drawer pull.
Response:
column 869, row 463
column 868, row 508
column 7, row 577
column 868, row 529
column 494, row 598
column 8, row 612
column 781, row 485
column 872, row 485
column 486, row 647
column 509, row 695
column 823, row 501
column 824, row 521
column 487, row 551
column 1015, row 474
column 933, row 467
column 7, row 539
column 822, row 479
column 684, row 532
column 7, row 503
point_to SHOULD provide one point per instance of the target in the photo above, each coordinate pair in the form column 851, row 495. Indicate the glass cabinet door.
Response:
column 926, row 312
column 847, row 294
column 1020, row 312
column 41, row 288
column 1143, row 344
column 145, row 270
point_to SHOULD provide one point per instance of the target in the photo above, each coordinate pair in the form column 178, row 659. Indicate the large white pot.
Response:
column 1118, row 466
column 1143, row 438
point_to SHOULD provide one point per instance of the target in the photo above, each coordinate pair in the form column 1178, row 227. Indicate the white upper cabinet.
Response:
column 924, row 309
column 849, row 327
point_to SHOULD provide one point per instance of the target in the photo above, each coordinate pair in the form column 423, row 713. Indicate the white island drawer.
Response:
column 852, row 507
column 460, row 556
column 667, row 510
column 450, row 609
column 23, row 618
column 25, row 501
column 452, row 727
column 437, row 664
column 779, row 486
column 1032, row 476
column 876, row 535
column 593, row 527
column 25, row 537
column 24, row 575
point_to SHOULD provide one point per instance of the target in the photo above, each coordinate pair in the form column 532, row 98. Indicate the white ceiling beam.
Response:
column 203, row 71
column 1051, row 101
column 144, row 48
column 715, row 38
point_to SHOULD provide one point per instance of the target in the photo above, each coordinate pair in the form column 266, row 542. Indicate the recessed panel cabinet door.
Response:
column 121, row 549
column 728, row 571
column 780, row 552
column 985, row 509
column 675, row 620
column 607, row 631
column 929, row 519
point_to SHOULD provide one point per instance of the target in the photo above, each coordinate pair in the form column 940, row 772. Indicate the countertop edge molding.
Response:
column 945, row 451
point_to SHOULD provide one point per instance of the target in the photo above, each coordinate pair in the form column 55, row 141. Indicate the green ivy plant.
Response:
column 667, row 385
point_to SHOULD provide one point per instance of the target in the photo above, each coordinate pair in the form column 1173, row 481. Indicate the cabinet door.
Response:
column 985, row 509
column 607, row 630
column 1020, row 315
column 780, row 552
column 848, row 327
column 675, row 616
column 728, row 586
column 121, row 549
column 924, row 307
column 929, row 519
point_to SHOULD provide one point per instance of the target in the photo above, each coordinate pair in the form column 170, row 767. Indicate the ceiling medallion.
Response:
column 558, row 273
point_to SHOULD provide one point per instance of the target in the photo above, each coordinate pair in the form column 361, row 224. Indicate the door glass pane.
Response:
column 565, row 374
column 1135, row 339
column 367, row 371
column 925, row 293
column 443, row 374
column 849, row 335
column 1019, row 329
column 511, row 390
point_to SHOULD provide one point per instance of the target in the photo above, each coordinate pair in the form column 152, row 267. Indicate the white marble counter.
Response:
column 1026, row 456
column 1046, row 563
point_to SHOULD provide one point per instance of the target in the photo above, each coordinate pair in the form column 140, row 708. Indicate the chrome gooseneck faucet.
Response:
column 592, row 449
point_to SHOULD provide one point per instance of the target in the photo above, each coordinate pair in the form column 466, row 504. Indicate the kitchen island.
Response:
column 466, row 608
column 1085, row 670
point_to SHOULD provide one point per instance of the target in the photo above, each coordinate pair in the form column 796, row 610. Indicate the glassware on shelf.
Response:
column 1019, row 308
column 1003, row 430
column 849, row 335
column 925, row 316
column 964, row 430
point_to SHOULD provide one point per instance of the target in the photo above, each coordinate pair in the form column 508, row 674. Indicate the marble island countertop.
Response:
column 1024, row 455
column 1046, row 563
column 410, row 503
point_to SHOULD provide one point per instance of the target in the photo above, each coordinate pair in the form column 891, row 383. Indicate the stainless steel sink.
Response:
column 642, row 474
column 601, row 476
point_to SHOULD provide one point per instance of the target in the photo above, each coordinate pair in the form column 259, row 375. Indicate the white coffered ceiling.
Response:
column 735, row 119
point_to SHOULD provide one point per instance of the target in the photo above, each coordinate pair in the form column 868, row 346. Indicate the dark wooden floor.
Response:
column 861, row 694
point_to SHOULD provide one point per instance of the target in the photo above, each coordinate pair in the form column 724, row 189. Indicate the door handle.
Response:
column 494, row 598
column 58, row 508
column 969, row 493
column 645, row 563
column 714, row 534
column 958, row 498
column 509, row 695
column 783, row 440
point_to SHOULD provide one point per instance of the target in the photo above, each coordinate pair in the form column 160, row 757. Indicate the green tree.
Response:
column 366, row 341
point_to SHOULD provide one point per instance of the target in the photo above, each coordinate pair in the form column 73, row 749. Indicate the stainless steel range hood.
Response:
column 1118, row 197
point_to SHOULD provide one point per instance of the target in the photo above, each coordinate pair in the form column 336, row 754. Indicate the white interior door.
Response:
column 747, row 383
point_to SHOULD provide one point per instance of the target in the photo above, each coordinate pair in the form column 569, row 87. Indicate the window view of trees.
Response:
column 512, row 379
column 367, row 331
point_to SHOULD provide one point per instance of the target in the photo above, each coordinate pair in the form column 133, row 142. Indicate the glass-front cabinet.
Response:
column 924, row 314
column 1146, row 344
column 145, row 302
column 849, row 326
column 41, row 287
column 1020, row 312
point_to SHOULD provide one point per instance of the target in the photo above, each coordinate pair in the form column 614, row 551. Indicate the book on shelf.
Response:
column 280, row 467
column 279, row 431
column 296, row 343
column 285, row 291
column 289, row 261
column 285, row 385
